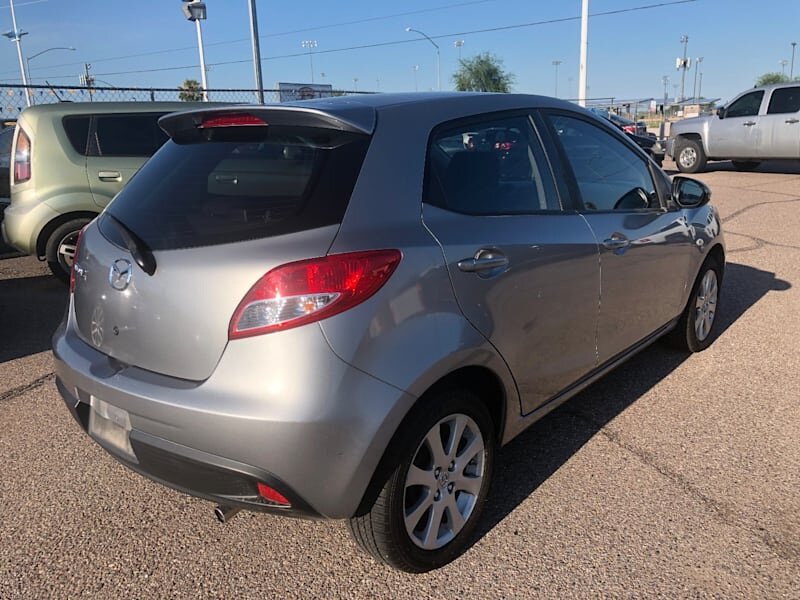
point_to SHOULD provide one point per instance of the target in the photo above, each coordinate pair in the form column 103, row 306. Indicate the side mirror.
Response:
column 721, row 112
column 689, row 193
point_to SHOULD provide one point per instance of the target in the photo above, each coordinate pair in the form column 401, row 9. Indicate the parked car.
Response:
column 759, row 124
column 68, row 161
column 337, row 308
column 647, row 142
column 6, row 137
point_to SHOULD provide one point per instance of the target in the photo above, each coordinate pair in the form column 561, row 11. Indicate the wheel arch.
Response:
column 47, row 230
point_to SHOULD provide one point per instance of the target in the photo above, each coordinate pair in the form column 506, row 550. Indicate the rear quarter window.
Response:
column 206, row 193
column 77, row 130
column 127, row 135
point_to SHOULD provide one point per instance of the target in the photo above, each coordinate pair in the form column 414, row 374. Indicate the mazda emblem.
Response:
column 119, row 276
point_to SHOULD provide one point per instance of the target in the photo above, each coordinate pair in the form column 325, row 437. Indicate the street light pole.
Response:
column 310, row 45
column 555, row 64
column 684, row 64
column 783, row 64
column 195, row 10
column 256, row 51
column 697, row 62
column 438, row 64
column 203, row 79
column 16, row 35
column 458, row 44
column 415, row 68
column 582, row 76
column 791, row 69
column 30, row 58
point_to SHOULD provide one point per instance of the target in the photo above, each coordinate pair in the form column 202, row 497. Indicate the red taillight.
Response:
column 629, row 128
column 231, row 120
column 72, row 273
column 22, row 158
column 310, row 290
column 272, row 495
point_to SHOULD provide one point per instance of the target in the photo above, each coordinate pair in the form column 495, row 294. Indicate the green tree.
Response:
column 482, row 73
column 190, row 91
column 769, row 78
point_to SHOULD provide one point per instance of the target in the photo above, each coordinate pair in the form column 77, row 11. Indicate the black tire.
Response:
column 688, row 334
column 380, row 529
column 61, row 246
column 689, row 156
column 745, row 165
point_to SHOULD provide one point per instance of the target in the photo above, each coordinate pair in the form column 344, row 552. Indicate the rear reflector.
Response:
column 303, row 292
column 231, row 120
column 272, row 495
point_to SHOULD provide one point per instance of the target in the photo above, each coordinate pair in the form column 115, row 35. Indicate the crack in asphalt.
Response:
column 759, row 243
column 784, row 549
column 733, row 215
column 18, row 391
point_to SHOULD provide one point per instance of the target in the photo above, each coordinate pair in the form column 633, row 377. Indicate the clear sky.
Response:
column 150, row 43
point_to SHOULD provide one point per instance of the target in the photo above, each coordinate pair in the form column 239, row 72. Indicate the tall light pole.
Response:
column 683, row 64
column 459, row 44
column 791, row 69
column 697, row 62
column 582, row 78
column 415, row 68
column 438, row 65
column 355, row 84
column 555, row 64
column 195, row 10
column 783, row 64
column 256, row 51
column 16, row 35
column 665, row 81
column 310, row 45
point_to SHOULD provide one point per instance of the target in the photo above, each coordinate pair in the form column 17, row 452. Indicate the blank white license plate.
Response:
column 110, row 425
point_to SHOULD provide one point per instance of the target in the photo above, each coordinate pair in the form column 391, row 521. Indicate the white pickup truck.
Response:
column 759, row 124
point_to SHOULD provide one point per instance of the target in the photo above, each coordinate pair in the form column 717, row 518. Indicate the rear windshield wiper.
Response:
column 139, row 250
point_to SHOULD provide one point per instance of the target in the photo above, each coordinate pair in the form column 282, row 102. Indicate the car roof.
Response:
column 360, row 112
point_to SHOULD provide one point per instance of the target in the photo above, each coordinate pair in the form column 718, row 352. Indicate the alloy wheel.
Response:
column 706, row 305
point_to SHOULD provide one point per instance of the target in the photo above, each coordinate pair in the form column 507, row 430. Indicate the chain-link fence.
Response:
column 13, row 96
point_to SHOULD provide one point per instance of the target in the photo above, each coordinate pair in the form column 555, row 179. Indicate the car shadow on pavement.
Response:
column 30, row 310
column 536, row 454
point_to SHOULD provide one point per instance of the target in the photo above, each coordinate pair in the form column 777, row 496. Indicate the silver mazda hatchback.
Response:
column 341, row 308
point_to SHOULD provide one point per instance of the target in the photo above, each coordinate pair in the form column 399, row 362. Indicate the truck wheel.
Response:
column 745, row 165
column 427, row 511
column 60, row 249
column 690, row 156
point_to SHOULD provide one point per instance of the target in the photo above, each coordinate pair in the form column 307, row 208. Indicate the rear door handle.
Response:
column 109, row 176
column 792, row 121
column 749, row 123
column 484, row 260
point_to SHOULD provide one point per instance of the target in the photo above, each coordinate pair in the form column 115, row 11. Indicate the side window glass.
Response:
column 609, row 174
column 784, row 100
column 77, row 130
column 495, row 167
column 128, row 135
column 746, row 106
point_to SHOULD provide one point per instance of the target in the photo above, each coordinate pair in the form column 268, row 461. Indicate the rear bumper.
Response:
column 315, row 434
column 23, row 222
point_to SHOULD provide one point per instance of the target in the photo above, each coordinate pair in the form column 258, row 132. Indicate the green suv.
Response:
column 68, row 161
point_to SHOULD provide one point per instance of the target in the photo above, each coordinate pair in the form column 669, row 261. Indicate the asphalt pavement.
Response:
column 675, row 476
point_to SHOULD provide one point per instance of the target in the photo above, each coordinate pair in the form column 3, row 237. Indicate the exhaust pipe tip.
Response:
column 225, row 513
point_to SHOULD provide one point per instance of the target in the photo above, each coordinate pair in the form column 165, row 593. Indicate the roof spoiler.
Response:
column 353, row 119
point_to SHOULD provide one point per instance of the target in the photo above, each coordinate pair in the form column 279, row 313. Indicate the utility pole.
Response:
column 16, row 35
column 88, row 80
column 584, row 53
column 555, row 64
column 683, row 64
column 256, row 51
column 791, row 69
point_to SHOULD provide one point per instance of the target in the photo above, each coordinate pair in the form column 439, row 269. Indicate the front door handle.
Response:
column 484, row 261
column 792, row 121
column 616, row 242
column 109, row 176
column 749, row 123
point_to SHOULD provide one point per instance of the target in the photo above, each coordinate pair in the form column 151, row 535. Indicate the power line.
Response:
column 269, row 35
column 405, row 41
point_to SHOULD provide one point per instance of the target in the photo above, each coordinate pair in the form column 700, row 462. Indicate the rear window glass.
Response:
column 77, row 130
column 784, row 100
column 206, row 193
column 127, row 135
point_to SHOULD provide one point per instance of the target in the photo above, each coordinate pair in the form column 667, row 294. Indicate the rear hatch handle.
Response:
column 139, row 250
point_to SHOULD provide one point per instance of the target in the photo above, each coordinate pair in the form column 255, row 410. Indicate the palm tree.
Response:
column 190, row 91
